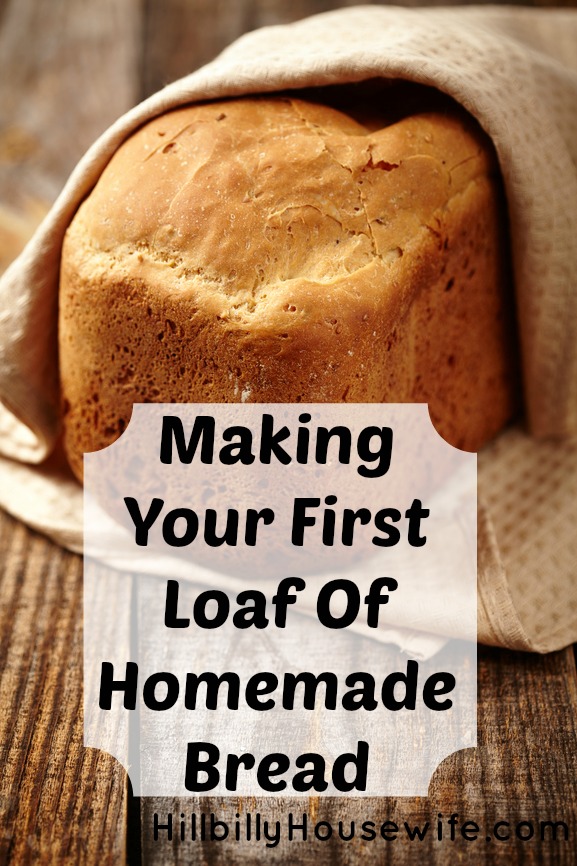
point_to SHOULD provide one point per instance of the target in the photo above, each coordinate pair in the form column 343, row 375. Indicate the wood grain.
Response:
column 64, row 804
column 524, row 769
column 59, row 802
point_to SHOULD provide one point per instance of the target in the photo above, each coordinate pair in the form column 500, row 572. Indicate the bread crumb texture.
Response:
column 275, row 250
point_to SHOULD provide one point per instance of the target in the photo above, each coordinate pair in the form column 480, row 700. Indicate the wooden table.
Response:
column 67, row 69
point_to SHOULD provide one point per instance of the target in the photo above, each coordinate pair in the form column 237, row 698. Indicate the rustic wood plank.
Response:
column 524, row 769
column 59, row 802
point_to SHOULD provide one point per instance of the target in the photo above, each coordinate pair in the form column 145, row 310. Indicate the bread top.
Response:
column 251, row 203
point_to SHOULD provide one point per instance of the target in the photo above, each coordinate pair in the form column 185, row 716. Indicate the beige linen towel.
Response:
column 514, row 69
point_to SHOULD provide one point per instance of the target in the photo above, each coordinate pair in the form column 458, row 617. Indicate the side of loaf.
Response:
column 275, row 250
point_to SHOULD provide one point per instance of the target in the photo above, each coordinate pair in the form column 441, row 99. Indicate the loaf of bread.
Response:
column 271, row 249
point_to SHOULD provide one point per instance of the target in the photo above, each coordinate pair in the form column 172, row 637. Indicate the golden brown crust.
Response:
column 271, row 249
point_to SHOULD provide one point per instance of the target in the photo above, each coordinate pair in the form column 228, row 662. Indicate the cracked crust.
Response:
column 273, row 249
